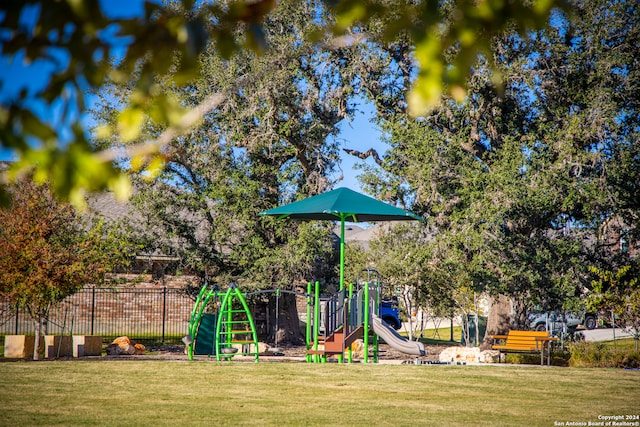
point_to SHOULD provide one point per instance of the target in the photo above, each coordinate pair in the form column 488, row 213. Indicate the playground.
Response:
column 222, row 325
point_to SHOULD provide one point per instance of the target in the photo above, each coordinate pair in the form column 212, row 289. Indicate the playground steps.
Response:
column 337, row 342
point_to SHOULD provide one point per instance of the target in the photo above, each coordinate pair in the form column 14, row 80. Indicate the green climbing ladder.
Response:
column 235, row 328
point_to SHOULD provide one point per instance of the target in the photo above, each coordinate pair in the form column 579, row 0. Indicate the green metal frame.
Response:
column 196, row 316
column 231, row 318
column 308, row 329
column 227, row 317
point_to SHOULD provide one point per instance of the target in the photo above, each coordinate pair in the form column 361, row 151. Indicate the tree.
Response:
column 272, row 141
column 77, row 40
column 518, row 183
column 47, row 253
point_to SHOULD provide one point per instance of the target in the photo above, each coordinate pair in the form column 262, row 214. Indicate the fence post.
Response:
column 164, row 309
column 17, row 314
column 93, row 308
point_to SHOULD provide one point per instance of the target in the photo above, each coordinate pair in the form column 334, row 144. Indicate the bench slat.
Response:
column 515, row 333
column 515, row 347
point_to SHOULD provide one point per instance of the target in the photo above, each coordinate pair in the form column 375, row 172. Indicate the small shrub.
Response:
column 600, row 355
column 560, row 358
column 586, row 354
column 631, row 359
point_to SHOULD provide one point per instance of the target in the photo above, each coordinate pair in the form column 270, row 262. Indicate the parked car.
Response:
column 555, row 321
column 390, row 313
column 388, row 309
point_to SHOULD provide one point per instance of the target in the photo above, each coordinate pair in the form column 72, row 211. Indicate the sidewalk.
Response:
column 438, row 323
column 605, row 334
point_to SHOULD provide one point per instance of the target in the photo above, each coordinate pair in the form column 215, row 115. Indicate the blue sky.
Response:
column 359, row 134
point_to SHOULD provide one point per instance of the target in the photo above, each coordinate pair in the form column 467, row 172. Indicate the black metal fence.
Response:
column 141, row 314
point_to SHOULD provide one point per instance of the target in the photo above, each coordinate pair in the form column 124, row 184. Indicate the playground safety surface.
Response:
column 286, row 354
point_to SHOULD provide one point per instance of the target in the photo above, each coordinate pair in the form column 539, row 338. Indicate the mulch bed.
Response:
column 386, row 352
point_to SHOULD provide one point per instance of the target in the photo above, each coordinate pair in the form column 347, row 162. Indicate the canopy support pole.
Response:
column 341, row 251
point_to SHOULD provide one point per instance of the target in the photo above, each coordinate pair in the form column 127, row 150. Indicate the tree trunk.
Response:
column 36, row 344
column 288, row 324
column 499, row 319
column 408, row 303
column 281, row 329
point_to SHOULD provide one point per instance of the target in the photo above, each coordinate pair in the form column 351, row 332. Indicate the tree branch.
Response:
column 369, row 153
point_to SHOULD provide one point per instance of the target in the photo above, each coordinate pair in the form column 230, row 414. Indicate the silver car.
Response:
column 555, row 321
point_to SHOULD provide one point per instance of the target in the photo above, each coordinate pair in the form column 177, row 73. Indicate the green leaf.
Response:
column 130, row 122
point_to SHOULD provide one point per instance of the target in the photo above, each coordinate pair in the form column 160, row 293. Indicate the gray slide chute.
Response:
column 395, row 340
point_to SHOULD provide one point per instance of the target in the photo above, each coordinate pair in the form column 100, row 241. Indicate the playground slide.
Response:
column 395, row 340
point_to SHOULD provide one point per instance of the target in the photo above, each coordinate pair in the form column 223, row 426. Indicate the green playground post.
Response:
column 192, row 322
column 308, row 337
column 342, row 218
column 252, row 325
column 345, row 329
column 316, row 321
column 376, row 338
column 228, row 316
column 222, row 316
column 366, row 322
column 350, row 357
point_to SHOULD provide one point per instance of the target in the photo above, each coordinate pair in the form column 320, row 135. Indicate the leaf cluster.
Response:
column 617, row 293
column 79, row 43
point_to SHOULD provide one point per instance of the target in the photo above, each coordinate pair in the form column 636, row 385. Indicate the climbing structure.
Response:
column 235, row 330
column 221, row 325
column 341, row 327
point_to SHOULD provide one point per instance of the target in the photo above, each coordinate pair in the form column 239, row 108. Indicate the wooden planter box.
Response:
column 21, row 346
column 87, row 345
column 57, row 346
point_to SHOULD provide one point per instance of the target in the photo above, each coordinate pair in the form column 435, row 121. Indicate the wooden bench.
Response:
column 524, row 342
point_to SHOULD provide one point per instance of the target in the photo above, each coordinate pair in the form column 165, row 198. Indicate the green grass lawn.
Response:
column 161, row 392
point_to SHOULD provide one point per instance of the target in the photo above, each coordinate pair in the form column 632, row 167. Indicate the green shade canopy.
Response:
column 341, row 204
